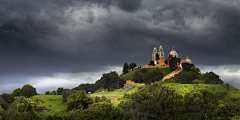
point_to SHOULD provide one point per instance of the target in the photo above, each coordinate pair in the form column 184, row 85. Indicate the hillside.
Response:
column 45, row 104
column 129, row 76
column 114, row 95
column 48, row 104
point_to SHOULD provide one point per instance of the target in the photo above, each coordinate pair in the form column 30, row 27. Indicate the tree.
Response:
column 121, row 82
column 152, row 76
column 132, row 65
column 186, row 77
column 151, row 63
column 153, row 102
column 53, row 92
column 59, row 91
column 222, row 113
column 187, row 66
column 9, row 98
column 66, row 93
column 78, row 100
column 28, row 90
column 26, row 105
column 26, row 110
column 138, row 77
column 212, row 78
column 17, row 92
column 87, row 87
column 3, row 103
column 125, row 68
column 109, row 80
column 173, row 62
column 101, row 111
column 201, row 104
column 196, row 70
column 101, row 99
column 47, row 93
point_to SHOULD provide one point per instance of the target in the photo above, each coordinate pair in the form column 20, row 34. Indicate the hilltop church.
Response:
column 161, row 63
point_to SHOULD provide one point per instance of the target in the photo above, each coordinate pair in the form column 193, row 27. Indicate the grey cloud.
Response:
column 46, row 37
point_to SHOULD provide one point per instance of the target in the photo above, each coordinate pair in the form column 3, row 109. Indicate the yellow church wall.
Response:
column 161, row 62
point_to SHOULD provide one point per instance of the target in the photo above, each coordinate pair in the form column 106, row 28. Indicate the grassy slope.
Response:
column 114, row 95
column 165, row 71
column 51, row 102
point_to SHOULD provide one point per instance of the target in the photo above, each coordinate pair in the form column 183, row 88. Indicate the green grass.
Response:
column 114, row 95
column 51, row 103
column 129, row 76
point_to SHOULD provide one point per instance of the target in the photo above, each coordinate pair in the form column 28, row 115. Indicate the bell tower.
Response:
column 154, row 53
column 161, row 52
column 161, row 56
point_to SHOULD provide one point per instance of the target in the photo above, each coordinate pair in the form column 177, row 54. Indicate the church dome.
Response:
column 188, row 60
column 160, row 47
column 173, row 53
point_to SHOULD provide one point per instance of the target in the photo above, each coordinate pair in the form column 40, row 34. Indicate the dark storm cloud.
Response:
column 45, row 37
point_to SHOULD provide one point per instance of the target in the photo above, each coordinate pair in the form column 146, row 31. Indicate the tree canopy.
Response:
column 132, row 65
column 212, row 78
column 28, row 90
column 109, row 80
column 78, row 100
column 17, row 92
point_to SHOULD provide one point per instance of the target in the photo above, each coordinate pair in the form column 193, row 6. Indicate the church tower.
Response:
column 161, row 52
column 161, row 56
column 154, row 54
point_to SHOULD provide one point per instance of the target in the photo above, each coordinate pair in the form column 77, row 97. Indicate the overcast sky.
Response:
column 63, row 43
